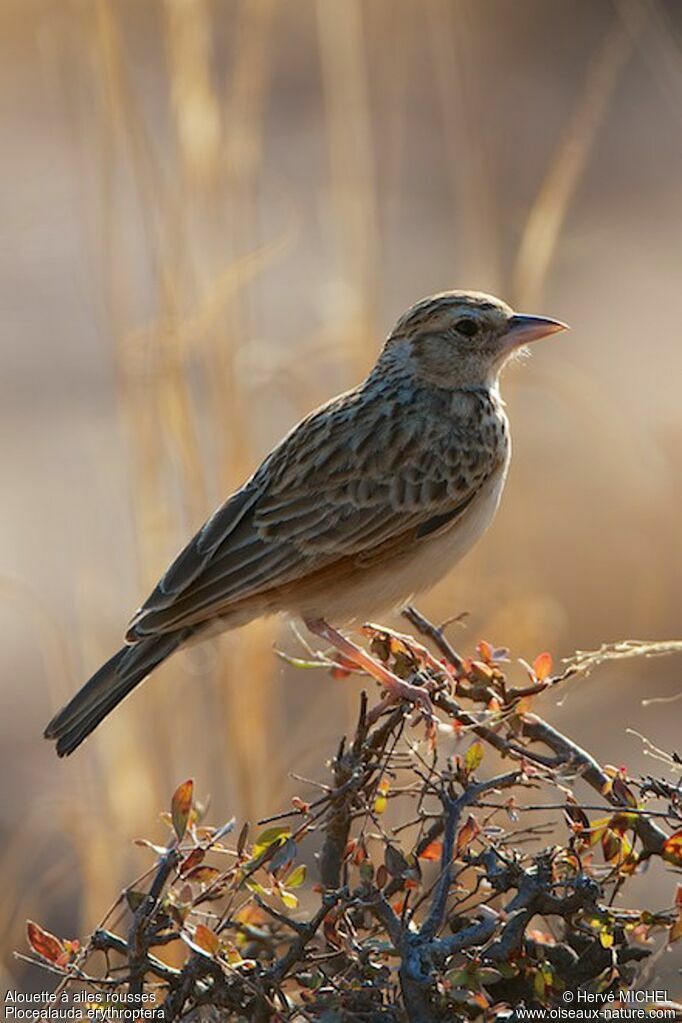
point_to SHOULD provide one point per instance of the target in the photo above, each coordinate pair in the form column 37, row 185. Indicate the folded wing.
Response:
column 348, row 481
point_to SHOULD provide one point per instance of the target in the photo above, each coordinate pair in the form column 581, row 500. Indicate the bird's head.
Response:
column 463, row 339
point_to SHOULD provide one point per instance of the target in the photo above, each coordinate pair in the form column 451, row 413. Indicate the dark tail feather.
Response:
column 107, row 687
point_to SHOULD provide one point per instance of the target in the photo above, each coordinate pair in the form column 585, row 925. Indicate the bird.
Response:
column 369, row 500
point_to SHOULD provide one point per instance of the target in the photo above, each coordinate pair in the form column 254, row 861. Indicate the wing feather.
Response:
column 316, row 501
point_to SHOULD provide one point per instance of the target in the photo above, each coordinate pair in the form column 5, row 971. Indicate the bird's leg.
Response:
column 396, row 687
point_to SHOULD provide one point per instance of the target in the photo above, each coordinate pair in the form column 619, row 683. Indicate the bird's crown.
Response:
column 467, row 312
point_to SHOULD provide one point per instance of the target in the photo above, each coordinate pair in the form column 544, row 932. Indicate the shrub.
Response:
column 435, row 895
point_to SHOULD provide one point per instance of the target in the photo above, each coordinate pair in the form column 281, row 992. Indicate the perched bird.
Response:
column 370, row 499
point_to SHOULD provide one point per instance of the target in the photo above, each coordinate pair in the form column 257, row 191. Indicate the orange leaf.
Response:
column 381, row 802
column 251, row 914
column 206, row 939
column 44, row 943
column 485, row 650
column 359, row 854
column 623, row 793
column 611, row 844
column 467, row 833
column 481, row 672
column 672, row 849
column 542, row 666
column 181, row 807
column 432, row 851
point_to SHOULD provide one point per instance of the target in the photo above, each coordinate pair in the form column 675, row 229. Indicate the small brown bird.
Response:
column 368, row 500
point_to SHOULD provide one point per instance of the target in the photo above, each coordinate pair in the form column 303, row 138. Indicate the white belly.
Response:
column 383, row 587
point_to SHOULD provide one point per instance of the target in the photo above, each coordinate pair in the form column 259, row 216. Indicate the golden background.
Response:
column 212, row 212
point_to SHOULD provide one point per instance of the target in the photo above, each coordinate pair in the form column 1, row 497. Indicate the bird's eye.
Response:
column 467, row 326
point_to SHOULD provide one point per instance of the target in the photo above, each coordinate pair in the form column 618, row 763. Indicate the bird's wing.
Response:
column 352, row 481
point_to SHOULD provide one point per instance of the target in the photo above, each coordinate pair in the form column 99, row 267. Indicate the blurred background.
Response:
column 212, row 212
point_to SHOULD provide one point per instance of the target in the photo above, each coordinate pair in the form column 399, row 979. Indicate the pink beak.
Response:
column 524, row 329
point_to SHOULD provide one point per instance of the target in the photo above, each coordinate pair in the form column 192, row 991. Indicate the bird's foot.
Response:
column 397, row 688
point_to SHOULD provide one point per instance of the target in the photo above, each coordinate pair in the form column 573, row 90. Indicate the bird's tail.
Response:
column 108, row 686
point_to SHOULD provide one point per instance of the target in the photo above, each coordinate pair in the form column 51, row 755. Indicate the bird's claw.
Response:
column 401, row 690
column 396, row 688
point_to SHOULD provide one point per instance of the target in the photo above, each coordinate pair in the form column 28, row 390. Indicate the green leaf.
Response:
column 134, row 898
column 458, row 978
column 268, row 838
column 254, row 886
column 367, row 872
column 296, row 877
column 487, row 975
column 396, row 864
column 473, row 757
column 539, row 984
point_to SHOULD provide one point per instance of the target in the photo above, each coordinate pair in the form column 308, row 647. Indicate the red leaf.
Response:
column 44, row 943
column 181, row 807
column 202, row 875
column 191, row 861
column 330, row 932
column 342, row 667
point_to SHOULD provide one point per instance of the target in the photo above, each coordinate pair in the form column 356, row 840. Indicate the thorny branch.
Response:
column 427, row 882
